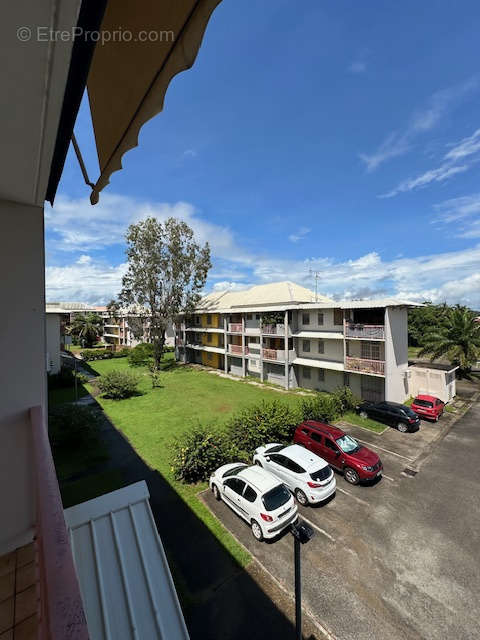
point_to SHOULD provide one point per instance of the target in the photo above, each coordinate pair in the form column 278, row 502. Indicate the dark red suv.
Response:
column 340, row 450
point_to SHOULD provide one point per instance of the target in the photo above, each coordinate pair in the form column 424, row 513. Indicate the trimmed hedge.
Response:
column 329, row 406
column 118, row 384
column 104, row 354
column 140, row 355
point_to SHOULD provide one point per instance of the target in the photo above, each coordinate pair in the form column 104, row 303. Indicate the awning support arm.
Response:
column 78, row 153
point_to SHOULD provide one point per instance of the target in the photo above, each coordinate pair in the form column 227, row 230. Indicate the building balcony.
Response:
column 237, row 349
column 235, row 327
column 373, row 367
column 273, row 354
column 275, row 330
column 364, row 331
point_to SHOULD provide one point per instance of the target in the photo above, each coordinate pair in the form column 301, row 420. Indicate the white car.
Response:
column 256, row 496
column 307, row 475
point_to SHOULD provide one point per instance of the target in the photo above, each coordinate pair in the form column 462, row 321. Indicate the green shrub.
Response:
column 198, row 452
column 121, row 353
column 72, row 426
column 324, row 406
column 96, row 354
column 118, row 384
column 65, row 378
column 346, row 399
column 262, row 423
column 140, row 355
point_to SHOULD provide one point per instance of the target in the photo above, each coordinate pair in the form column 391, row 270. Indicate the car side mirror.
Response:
column 267, row 458
column 337, row 454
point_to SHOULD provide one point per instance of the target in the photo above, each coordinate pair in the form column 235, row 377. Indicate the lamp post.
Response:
column 302, row 533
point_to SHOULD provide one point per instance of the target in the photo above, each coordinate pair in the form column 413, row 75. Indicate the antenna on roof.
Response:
column 316, row 275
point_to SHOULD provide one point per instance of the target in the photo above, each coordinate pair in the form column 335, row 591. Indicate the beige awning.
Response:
column 146, row 43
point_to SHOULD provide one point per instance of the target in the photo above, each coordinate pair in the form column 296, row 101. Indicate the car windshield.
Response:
column 422, row 403
column 274, row 448
column 348, row 444
column 276, row 497
column 234, row 471
column 321, row 474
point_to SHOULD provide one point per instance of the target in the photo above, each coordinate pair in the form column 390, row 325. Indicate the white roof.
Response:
column 122, row 569
column 322, row 335
column 264, row 294
column 319, row 364
column 308, row 460
column 259, row 478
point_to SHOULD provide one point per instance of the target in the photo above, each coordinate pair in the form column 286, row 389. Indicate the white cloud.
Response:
column 398, row 143
column 231, row 286
column 467, row 148
column 299, row 235
column 190, row 153
column 463, row 213
column 451, row 274
column 358, row 66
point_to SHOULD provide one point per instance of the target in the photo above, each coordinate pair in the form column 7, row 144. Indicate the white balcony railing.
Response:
column 235, row 327
column 62, row 615
column 365, row 331
column 273, row 354
column 376, row 367
column 274, row 329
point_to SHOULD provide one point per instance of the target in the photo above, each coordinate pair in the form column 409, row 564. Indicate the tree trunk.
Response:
column 158, row 345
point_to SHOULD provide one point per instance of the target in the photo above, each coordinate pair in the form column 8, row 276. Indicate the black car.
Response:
column 392, row 413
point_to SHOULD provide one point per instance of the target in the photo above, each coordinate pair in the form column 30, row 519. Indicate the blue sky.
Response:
column 342, row 137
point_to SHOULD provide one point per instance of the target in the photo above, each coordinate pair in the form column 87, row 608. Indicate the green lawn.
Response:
column 366, row 423
column 187, row 396
column 413, row 352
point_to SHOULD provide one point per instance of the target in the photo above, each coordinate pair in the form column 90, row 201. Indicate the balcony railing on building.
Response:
column 275, row 330
column 364, row 331
column 236, row 348
column 235, row 327
column 376, row 367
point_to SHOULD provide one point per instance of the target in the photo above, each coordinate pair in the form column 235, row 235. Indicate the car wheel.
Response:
column 402, row 427
column 437, row 418
column 363, row 414
column 216, row 492
column 259, row 463
column 301, row 497
column 351, row 476
column 257, row 531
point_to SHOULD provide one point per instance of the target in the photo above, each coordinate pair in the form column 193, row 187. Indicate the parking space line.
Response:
column 352, row 496
column 388, row 478
column 386, row 450
column 318, row 528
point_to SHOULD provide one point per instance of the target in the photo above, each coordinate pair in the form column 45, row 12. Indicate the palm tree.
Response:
column 458, row 339
column 87, row 328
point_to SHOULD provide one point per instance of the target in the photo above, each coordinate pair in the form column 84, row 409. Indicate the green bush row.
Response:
column 202, row 449
column 118, row 384
column 103, row 354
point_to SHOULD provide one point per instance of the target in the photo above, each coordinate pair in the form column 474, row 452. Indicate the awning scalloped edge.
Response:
column 182, row 58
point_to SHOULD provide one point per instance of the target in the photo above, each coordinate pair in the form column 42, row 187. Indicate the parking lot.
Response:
column 397, row 558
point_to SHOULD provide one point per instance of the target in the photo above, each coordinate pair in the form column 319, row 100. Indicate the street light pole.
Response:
column 302, row 533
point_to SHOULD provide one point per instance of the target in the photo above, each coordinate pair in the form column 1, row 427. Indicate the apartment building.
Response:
column 284, row 334
column 125, row 328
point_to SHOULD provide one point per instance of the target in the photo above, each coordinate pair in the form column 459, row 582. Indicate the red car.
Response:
column 428, row 407
column 340, row 450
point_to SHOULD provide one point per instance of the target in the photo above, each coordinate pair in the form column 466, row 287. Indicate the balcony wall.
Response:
column 23, row 369
column 364, row 365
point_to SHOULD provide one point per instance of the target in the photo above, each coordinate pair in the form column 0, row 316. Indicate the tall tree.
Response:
column 87, row 328
column 167, row 270
column 458, row 339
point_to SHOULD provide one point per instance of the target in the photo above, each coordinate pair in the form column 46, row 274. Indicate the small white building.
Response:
column 433, row 379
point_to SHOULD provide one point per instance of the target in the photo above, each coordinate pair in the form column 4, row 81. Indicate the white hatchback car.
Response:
column 307, row 475
column 256, row 496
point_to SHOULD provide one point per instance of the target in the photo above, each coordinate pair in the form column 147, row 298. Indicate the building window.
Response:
column 338, row 316
column 306, row 346
column 209, row 337
column 306, row 373
column 197, row 319
column 321, row 346
column 321, row 375
column 209, row 319
column 305, row 318
column 346, row 379
column 371, row 350
column 257, row 316
column 320, row 319
column 249, row 316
